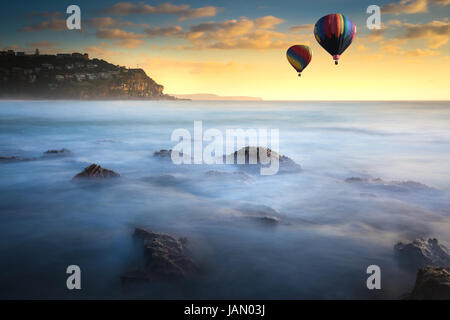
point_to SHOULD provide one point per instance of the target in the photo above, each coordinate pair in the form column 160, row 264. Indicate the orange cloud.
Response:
column 106, row 33
column 415, row 53
column 240, row 34
column 183, row 11
column 102, row 22
column 411, row 6
column 101, row 51
column 437, row 32
column 302, row 27
column 268, row 22
column 130, row 43
column 53, row 25
column 170, row 31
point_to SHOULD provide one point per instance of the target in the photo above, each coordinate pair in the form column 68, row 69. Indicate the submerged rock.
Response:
column 432, row 283
column 165, row 256
column 62, row 152
column 260, row 213
column 163, row 153
column 95, row 171
column 267, row 220
column 258, row 156
column 421, row 252
column 389, row 185
column 13, row 159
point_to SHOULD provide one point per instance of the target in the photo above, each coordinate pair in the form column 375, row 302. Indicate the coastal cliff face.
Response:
column 73, row 76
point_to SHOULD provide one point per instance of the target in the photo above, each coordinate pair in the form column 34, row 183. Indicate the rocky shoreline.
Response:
column 169, row 257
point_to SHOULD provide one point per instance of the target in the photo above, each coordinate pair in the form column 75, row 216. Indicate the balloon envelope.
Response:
column 335, row 32
column 299, row 56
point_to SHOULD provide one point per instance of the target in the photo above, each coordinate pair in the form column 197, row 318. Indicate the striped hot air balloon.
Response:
column 335, row 32
column 299, row 56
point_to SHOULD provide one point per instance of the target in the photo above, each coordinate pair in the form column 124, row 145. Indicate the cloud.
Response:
column 436, row 32
column 376, row 35
column 268, row 22
column 183, row 11
column 302, row 27
column 130, row 43
column 102, row 22
column 411, row 6
column 243, row 33
column 415, row 53
column 101, row 51
column 115, row 33
column 170, row 31
column 53, row 25
column 421, row 53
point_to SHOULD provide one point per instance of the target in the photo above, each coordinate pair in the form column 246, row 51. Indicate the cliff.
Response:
column 72, row 76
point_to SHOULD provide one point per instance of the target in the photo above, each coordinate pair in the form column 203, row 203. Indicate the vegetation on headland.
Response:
column 72, row 76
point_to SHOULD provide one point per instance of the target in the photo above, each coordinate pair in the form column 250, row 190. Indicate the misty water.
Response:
column 329, row 232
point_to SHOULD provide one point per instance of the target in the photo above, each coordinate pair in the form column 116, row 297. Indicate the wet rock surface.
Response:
column 421, row 252
column 396, row 186
column 61, row 152
column 260, row 156
column 164, row 256
column 163, row 153
column 432, row 283
column 95, row 171
column 261, row 214
column 13, row 159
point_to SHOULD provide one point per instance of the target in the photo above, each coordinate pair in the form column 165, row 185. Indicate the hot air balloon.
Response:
column 335, row 32
column 299, row 57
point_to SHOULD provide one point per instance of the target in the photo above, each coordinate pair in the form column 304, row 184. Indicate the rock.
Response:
column 432, row 283
column 95, row 171
column 62, row 152
column 267, row 220
column 285, row 163
column 421, row 252
column 260, row 213
column 165, row 256
column 398, row 186
column 163, row 153
column 13, row 159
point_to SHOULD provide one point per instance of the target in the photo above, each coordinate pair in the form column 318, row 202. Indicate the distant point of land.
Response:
column 215, row 97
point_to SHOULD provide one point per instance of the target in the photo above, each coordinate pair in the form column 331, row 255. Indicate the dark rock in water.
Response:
column 165, row 256
column 432, row 283
column 421, row 252
column 259, row 156
column 389, row 185
column 95, row 171
column 260, row 213
column 163, row 153
column 238, row 176
column 13, row 159
column 62, row 152
column 267, row 220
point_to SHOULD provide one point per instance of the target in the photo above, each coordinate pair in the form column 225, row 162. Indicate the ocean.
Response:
column 330, row 229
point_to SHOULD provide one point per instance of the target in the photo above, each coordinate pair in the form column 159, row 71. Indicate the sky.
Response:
column 238, row 48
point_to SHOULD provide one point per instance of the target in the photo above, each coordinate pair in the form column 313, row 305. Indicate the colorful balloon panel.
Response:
column 299, row 56
column 335, row 33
